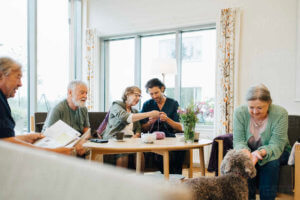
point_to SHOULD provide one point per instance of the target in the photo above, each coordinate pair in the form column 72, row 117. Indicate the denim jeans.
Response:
column 267, row 177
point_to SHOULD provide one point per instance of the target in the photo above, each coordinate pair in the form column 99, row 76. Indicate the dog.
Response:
column 236, row 168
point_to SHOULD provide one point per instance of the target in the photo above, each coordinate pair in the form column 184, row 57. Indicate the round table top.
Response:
column 136, row 144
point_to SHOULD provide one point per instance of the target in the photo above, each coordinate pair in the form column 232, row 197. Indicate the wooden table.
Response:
column 162, row 147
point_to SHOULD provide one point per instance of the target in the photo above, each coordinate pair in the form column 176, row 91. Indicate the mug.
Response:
column 119, row 135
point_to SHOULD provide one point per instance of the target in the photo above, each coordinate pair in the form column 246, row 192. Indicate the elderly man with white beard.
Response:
column 71, row 110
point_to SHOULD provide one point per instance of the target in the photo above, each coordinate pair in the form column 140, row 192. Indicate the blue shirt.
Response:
column 7, row 123
column 170, row 108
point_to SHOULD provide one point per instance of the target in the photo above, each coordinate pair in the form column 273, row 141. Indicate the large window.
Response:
column 156, row 51
column 183, row 59
column 13, row 43
column 198, row 72
column 121, row 68
column 43, row 53
column 52, row 53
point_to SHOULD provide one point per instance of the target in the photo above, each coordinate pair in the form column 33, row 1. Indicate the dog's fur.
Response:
column 236, row 168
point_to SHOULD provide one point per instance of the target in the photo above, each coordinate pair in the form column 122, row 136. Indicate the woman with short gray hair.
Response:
column 260, row 129
column 123, row 117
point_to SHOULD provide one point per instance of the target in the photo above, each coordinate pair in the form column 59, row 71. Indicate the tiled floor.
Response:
column 197, row 173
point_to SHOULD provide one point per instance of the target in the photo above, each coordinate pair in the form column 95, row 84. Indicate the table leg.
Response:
column 166, row 164
column 191, row 164
column 202, row 166
column 96, row 157
column 138, row 162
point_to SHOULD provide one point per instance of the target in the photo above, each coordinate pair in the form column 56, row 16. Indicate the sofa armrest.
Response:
column 297, row 172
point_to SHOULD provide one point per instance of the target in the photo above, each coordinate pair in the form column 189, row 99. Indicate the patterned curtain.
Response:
column 226, row 73
column 89, row 71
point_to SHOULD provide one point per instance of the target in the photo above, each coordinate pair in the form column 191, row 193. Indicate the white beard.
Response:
column 78, row 103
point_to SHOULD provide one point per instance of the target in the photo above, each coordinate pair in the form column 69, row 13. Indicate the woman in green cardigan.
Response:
column 260, row 129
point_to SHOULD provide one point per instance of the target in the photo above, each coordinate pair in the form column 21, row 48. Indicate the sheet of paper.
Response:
column 85, row 136
column 58, row 135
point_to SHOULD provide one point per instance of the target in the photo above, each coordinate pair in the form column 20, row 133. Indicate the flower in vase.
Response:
column 188, row 117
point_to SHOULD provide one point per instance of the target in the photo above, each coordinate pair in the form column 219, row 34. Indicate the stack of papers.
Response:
column 60, row 134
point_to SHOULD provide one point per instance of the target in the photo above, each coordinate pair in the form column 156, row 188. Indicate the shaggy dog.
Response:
column 236, row 168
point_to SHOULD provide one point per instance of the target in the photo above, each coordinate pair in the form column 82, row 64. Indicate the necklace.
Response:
column 258, row 123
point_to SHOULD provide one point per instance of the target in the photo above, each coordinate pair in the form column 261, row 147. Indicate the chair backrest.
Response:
column 95, row 120
column 39, row 119
column 294, row 128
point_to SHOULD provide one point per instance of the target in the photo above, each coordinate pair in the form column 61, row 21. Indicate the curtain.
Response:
column 89, row 71
column 226, row 72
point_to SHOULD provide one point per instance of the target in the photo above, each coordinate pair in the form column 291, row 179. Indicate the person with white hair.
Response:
column 71, row 110
column 10, row 81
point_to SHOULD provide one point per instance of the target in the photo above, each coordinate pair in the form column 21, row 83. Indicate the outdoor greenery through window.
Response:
column 191, row 79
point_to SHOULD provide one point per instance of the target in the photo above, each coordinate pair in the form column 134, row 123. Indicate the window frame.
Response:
column 138, row 37
column 75, row 50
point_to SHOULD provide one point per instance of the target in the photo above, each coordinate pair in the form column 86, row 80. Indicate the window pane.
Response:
column 158, row 56
column 198, row 71
column 13, row 43
column 53, row 52
column 120, row 68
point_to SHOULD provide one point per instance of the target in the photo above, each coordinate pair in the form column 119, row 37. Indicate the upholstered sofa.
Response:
column 287, row 172
column 27, row 174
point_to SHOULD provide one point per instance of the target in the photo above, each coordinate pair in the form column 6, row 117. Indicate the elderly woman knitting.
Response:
column 260, row 129
column 122, row 117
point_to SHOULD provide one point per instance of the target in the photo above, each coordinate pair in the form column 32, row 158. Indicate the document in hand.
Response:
column 58, row 135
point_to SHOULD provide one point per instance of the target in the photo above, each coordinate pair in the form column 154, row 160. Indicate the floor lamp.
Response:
column 164, row 66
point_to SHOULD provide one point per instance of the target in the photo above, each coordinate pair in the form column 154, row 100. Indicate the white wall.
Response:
column 267, row 43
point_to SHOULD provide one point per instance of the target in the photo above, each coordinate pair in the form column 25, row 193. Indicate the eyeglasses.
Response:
column 137, row 95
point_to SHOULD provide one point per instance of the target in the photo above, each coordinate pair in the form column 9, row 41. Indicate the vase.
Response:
column 189, row 132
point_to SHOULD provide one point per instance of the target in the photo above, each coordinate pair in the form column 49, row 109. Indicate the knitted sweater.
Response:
column 274, row 139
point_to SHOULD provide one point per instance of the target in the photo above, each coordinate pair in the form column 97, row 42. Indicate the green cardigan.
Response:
column 117, row 120
column 274, row 139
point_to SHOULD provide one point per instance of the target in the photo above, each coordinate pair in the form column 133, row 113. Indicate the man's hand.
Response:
column 152, row 120
column 30, row 138
column 79, row 148
column 163, row 116
column 62, row 150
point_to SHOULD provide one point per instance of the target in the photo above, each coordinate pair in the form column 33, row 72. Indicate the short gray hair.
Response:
column 259, row 92
column 73, row 84
column 7, row 65
column 130, row 90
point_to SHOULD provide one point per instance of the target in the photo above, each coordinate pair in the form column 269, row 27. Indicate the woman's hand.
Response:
column 154, row 114
column 256, row 156
column 137, row 135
